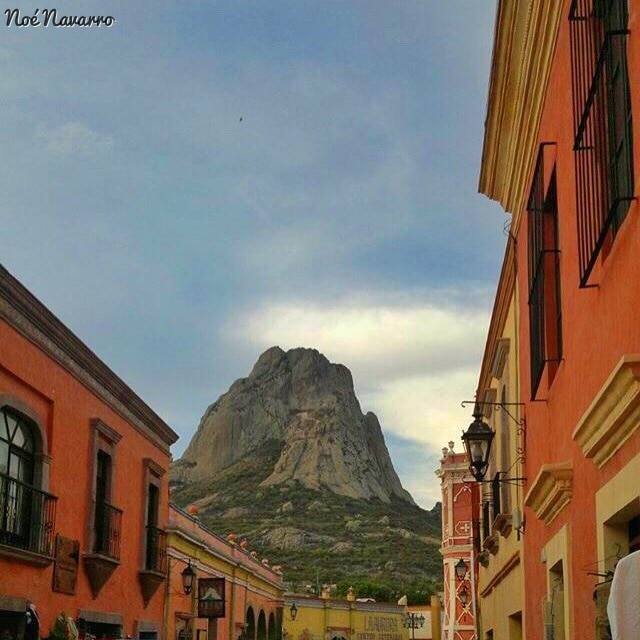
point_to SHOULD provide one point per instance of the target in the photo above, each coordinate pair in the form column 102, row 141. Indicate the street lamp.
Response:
column 413, row 621
column 477, row 441
column 188, row 575
column 461, row 569
column 464, row 596
column 293, row 611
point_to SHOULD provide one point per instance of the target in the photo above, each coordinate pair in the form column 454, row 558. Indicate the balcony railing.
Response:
column 108, row 528
column 27, row 516
column 156, row 550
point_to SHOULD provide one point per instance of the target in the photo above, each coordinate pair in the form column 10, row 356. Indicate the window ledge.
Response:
column 551, row 491
column 614, row 414
column 28, row 557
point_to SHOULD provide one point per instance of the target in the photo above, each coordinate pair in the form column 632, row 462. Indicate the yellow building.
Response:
column 500, row 576
column 312, row 618
column 233, row 593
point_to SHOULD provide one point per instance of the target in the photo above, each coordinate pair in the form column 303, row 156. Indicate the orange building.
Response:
column 460, row 505
column 561, row 154
column 83, row 486
column 234, row 594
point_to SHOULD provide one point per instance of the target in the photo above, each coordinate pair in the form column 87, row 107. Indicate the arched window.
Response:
column 27, row 514
column 16, row 447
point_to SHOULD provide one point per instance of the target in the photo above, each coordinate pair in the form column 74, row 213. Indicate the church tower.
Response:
column 460, row 518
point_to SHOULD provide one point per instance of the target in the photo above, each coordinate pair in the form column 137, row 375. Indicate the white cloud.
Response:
column 74, row 138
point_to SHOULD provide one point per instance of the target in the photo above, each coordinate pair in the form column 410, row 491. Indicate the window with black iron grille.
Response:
column 603, row 146
column 545, row 309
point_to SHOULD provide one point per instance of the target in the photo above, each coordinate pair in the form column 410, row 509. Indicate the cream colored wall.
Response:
column 501, row 583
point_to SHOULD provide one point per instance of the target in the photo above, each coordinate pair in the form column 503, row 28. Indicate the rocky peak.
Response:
column 301, row 400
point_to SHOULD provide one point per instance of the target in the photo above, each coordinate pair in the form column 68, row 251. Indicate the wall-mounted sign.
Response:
column 211, row 598
column 65, row 570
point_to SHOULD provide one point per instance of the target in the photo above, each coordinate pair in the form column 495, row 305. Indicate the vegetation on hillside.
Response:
column 382, row 550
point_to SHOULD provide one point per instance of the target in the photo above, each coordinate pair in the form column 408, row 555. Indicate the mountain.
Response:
column 287, row 459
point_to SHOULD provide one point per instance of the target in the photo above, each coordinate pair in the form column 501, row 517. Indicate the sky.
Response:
column 206, row 179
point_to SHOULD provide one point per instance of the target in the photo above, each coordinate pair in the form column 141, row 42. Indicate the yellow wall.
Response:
column 500, row 584
column 324, row 619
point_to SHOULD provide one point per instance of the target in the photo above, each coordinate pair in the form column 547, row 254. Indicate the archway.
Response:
column 271, row 630
column 250, row 625
column 262, row 626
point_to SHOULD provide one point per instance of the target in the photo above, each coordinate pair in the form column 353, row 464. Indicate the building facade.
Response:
column 327, row 618
column 500, row 572
column 561, row 156
column 460, row 506
column 250, row 589
column 83, row 486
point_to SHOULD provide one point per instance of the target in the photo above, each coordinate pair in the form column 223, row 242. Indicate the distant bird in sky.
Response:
column 241, row 118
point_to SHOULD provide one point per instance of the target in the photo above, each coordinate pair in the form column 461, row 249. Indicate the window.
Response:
column 106, row 520
column 27, row 514
column 602, row 123
column 545, row 309
column 155, row 540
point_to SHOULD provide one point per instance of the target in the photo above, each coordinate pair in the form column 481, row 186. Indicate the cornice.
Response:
column 551, row 491
column 614, row 414
column 27, row 315
column 525, row 37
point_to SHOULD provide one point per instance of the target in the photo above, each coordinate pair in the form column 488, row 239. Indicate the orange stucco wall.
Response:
column 600, row 325
column 65, row 408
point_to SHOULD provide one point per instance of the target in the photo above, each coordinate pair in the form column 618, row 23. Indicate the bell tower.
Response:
column 460, row 518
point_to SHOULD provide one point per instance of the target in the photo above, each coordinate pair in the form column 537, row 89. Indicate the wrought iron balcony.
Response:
column 27, row 517
column 108, row 528
column 156, row 559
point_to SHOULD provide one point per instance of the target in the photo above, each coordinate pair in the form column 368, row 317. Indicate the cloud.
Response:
column 413, row 359
column 74, row 138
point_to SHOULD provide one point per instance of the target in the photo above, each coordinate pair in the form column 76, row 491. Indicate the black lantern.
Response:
column 188, row 575
column 477, row 441
column 461, row 569
column 293, row 611
column 464, row 596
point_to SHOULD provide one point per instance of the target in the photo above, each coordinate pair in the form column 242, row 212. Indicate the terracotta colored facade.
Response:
column 83, row 490
column 562, row 155
column 460, row 499
column 253, row 590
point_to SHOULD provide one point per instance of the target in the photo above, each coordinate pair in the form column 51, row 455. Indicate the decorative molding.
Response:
column 110, row 434
column 614, row 415
column 27, row 315
column 525, row 38
column 154, row 467
column 551, row 491
column 502, row 524
column 483, row 558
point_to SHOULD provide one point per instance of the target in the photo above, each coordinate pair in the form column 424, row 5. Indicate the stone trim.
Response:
column 27, row 315
column 614, row 415
column 101, row 617
column 154, row 467
column 28, row 557
column 110, row 434
column 12, row 603
column 551, row 491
